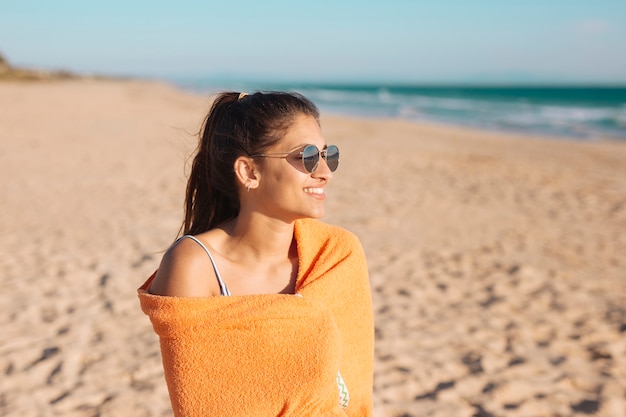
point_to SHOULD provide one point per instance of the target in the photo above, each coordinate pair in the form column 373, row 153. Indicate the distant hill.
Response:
column 9, row 72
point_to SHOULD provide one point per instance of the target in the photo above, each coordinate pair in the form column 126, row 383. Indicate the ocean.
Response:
column 575, row 112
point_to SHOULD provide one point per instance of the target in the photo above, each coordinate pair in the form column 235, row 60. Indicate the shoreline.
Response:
column 496, row 261
column 64, row 76
column 574, row 112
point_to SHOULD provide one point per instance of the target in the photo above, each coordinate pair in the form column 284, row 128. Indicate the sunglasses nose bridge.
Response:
column 322, row 169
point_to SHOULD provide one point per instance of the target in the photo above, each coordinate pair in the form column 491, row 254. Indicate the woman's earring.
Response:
column 248, row 187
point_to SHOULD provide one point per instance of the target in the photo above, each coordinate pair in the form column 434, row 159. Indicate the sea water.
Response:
column 582, row 112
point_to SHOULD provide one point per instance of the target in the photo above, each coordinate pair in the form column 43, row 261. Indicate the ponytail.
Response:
column 237, row 125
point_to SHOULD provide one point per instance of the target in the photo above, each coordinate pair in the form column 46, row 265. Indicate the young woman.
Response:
column 260, row 309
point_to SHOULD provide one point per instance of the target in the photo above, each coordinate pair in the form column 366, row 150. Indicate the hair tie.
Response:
column 242, row 95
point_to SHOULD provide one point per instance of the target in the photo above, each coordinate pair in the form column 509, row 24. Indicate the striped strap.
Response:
column 344, row 395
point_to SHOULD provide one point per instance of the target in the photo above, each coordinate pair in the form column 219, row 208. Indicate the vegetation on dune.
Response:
column 9, row 72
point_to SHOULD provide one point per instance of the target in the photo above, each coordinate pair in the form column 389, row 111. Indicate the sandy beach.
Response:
column 497, row 262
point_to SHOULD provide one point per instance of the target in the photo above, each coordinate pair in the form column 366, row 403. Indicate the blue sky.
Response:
column 324, row 40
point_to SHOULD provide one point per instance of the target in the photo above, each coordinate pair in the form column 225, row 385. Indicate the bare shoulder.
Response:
column 185, row 271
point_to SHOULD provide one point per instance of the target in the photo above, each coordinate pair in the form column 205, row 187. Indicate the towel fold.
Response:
column 274, row 354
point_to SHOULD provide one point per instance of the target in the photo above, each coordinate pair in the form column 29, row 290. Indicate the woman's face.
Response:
column 286, row 190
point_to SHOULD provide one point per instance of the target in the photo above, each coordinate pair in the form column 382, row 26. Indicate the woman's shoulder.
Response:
column 185, row 271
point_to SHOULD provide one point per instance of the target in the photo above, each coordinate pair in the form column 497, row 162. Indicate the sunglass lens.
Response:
column 332, row 157
column 310, row 158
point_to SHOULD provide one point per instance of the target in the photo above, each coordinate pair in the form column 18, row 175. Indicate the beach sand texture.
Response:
column 498, row 263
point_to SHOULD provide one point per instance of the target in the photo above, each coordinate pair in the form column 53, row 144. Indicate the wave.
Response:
column 574, row 120
column 577, row 112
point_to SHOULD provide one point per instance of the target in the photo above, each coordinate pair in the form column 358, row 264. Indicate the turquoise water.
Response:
column 572, row 112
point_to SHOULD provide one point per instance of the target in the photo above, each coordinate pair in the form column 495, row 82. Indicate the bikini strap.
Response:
column 223, row 288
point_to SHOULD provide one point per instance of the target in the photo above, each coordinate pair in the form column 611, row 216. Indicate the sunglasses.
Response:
column 309, row 156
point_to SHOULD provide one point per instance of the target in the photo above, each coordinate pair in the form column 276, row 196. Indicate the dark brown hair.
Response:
column 237, row 125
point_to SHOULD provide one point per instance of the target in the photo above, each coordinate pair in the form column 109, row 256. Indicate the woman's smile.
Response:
column 317, row 191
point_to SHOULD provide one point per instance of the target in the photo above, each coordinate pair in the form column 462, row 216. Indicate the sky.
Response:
column 404, row 41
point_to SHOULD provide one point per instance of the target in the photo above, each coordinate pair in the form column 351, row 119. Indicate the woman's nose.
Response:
column 323, row 171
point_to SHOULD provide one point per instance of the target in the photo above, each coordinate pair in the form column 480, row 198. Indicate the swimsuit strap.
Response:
column 223, row 288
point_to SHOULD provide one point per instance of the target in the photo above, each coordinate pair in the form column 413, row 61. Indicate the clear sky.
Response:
column 322, row 40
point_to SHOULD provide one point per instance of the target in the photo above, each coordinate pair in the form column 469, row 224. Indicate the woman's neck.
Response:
column 260, row 238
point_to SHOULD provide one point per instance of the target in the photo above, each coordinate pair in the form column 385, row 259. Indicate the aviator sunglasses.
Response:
column 309, row 156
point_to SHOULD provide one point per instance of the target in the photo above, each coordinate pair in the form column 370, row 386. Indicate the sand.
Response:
column 497, row 262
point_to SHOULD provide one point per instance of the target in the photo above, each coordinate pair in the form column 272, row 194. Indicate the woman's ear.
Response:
column 246, row 172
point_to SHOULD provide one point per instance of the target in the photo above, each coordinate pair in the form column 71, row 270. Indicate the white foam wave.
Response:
column 518, row 114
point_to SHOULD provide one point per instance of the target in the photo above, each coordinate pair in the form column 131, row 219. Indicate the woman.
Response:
column 260, row 309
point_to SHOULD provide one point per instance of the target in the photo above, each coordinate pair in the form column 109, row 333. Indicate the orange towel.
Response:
column 273, row 354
